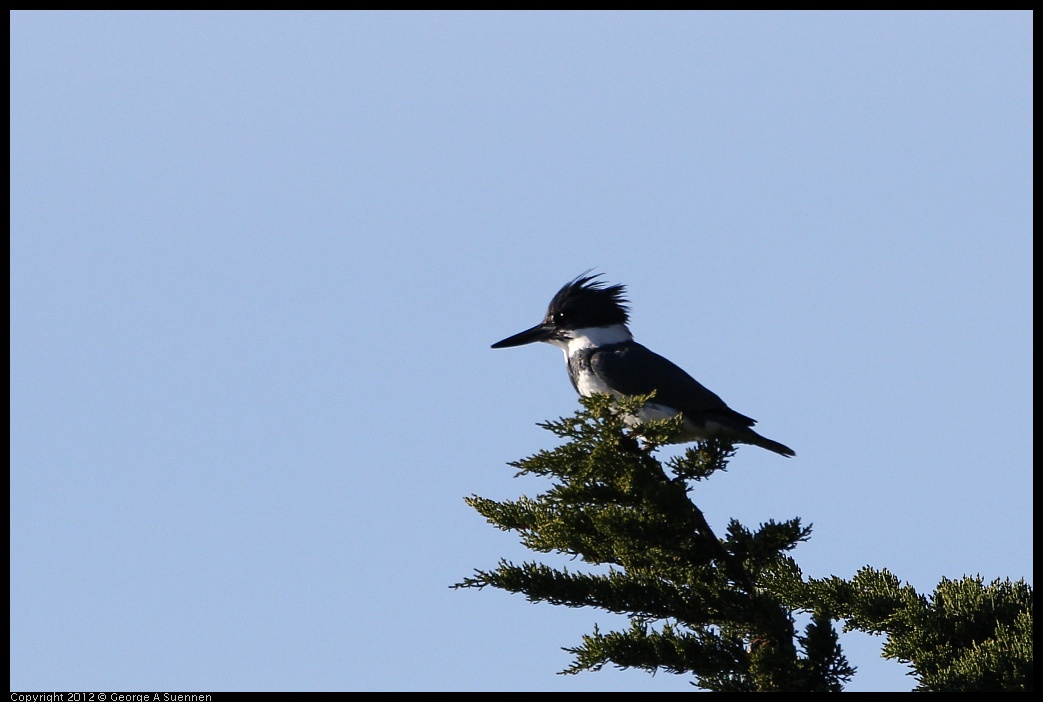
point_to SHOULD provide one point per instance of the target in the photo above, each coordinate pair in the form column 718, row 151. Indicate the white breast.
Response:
column 593, row 337
column 588, row 384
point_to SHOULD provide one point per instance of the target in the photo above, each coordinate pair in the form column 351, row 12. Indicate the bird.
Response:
column 587, row 319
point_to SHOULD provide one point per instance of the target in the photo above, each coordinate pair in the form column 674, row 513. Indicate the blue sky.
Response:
column 257, row 260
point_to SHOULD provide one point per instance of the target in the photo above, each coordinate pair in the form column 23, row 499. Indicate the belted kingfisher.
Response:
column 587, row 319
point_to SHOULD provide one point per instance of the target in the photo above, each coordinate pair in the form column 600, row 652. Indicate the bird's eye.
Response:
column 559, row 316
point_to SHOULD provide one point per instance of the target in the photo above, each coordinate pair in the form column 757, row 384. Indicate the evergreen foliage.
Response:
column 966, row 636
column 723, row 609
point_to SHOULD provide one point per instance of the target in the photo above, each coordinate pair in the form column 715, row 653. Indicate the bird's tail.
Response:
column 753, row 438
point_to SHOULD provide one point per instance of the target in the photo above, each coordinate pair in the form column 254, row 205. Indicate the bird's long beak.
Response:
column 541, row 332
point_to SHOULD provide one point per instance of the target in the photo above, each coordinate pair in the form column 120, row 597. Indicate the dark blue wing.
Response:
column 634, row 370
